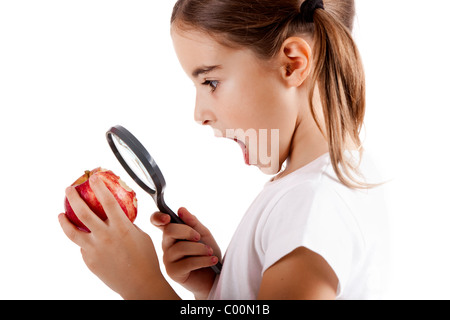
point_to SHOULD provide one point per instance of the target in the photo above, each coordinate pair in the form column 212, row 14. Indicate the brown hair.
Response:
column 264, row 25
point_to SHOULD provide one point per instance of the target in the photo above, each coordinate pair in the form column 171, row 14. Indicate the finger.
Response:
column 174, row 232
column 193, row 222
column 204, row 232
column 159, row 219
column 73, row 233
column 109, row 203
column 185, row 249
column 82, row 210
column 188, row 265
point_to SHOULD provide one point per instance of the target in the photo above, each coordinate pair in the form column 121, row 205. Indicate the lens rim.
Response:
column 142, row 154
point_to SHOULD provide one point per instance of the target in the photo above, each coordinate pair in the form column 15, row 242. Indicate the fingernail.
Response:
column 210, row 250
column 214, row 260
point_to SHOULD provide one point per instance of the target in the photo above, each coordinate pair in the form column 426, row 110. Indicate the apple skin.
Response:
column 123, row 194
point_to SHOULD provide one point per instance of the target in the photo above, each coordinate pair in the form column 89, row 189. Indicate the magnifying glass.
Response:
column 138, row 163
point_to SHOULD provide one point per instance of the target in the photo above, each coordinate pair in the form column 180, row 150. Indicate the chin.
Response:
column 270, row 170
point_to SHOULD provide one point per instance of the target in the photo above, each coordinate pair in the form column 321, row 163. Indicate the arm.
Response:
column 117, row 251
column 301, row 275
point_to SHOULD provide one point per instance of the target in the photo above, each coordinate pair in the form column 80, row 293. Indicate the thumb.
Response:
column 160, row 220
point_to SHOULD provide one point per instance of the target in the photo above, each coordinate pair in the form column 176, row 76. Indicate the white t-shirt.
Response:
column 311, row 208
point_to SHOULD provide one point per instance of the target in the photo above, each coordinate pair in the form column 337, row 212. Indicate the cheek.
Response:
column 253, row 104
column 266, row 109
column 261, row 106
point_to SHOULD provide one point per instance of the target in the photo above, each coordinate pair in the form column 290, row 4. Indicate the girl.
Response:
column 317, row 229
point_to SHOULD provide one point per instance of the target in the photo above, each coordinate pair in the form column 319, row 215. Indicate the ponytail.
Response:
column 339, row 75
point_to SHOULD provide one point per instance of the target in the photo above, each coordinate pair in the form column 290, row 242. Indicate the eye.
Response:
column 213, row 84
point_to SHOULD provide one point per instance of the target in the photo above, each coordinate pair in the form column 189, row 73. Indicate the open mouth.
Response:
column 244, row 150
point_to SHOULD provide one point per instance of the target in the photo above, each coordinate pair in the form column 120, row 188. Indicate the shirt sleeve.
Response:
column 313, row 217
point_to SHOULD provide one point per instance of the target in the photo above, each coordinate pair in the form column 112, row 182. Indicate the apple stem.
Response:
column 87, row 173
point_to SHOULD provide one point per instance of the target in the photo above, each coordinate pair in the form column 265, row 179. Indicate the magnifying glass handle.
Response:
column 176, row 219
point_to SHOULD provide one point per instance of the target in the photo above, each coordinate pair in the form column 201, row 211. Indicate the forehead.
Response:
column 195, row 49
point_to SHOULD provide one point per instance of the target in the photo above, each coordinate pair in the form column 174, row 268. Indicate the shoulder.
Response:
column 317, row 198
column 308, row 198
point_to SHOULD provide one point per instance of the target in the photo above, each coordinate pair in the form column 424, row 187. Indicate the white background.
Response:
column 69, row 70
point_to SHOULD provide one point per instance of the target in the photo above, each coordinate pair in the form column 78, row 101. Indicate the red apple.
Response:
column 123, row 194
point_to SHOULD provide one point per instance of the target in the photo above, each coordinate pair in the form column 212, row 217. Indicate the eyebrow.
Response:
column 204, row 70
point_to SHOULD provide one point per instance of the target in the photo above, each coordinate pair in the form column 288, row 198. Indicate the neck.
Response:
column 308, row 143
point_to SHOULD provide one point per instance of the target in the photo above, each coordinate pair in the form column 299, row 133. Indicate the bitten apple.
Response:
column 125, row 196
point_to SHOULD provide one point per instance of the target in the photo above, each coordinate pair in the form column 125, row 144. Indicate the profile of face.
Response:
column 241, row 97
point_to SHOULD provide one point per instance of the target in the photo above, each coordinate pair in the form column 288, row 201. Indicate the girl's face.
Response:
column 241, row 97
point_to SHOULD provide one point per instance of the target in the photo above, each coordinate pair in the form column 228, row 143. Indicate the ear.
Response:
column 295, row 55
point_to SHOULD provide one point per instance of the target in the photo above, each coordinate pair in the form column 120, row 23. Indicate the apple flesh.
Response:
column 123, row 194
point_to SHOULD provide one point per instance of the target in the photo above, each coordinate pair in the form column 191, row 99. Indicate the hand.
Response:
column 117, row 251
column 187, row 262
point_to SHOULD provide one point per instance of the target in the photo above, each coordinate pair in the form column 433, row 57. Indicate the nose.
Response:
column 203, row 114
column 203, row 123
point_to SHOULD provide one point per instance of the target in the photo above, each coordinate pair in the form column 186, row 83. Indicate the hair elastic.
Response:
column 308, row 8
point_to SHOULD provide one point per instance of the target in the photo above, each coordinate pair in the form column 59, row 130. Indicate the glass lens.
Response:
column 133, row 162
